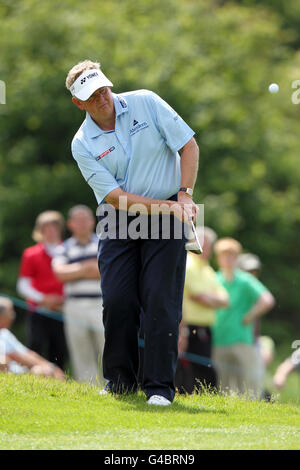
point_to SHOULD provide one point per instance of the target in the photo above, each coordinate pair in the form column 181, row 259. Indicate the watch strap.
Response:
column 188, row 191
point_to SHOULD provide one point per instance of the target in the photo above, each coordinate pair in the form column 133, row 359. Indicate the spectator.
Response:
column 289, row 365
column 235, row 355
column 38, row 284
column 266, row 349
column 76, row 265
column 203, row 293
column 18, row 358
column 251, row 264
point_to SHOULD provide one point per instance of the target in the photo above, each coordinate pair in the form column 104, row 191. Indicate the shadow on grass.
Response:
column 138, row 403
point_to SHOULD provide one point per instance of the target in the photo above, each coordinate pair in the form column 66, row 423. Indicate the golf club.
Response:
column 192, row 246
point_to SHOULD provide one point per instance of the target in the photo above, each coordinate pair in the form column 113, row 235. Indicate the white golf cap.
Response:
column 248, row 262
column 88, row 82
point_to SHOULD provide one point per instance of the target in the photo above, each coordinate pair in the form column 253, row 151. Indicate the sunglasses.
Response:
column 96, row 94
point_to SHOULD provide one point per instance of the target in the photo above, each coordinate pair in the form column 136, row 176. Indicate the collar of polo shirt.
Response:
column 88, row 82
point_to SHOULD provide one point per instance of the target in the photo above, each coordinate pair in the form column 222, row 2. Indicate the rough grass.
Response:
column 37, row 413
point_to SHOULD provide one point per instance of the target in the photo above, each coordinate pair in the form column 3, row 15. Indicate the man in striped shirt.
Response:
column 75, row 264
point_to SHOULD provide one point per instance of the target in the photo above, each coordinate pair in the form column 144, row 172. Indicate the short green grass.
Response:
column 37, row 413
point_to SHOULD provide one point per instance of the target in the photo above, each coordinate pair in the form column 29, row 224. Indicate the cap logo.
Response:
column 88, row 82
column 91, row 75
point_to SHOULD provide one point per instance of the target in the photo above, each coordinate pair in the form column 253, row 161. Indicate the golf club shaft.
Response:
column 196, row 237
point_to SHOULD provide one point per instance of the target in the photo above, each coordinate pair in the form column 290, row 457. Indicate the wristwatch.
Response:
column 188, row 191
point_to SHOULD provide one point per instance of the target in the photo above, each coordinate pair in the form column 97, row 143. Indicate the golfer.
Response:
column 136, row 146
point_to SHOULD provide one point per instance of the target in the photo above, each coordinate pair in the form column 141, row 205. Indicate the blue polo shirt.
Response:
column 140, row 155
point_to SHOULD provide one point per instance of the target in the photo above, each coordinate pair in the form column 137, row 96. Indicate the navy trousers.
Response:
column 142, row 277
column 46, row 337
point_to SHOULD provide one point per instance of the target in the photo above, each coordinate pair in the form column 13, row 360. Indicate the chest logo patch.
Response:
column 104, row 153
column 138, row 127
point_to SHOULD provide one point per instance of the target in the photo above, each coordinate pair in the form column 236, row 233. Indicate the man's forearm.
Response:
column 263, row 305
column 74, row 271
column 282, row 372
column 210, row 300
column 28, row 358
column 256, row 311
column 25, row 289
column 92, row 271
column 184, row 209
column 124, row 201
column 189, row 164
column 68, row 272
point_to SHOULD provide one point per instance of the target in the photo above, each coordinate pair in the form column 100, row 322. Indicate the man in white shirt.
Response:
column 76, row 265
column 14, row 356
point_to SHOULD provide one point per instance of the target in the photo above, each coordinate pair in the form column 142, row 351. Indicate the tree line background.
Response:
column 213, row 62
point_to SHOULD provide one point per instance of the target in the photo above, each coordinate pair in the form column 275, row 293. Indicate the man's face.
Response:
column 51, row 232
column 99, row 105
column 81, row 224
column 6, row 319
column 227, row 259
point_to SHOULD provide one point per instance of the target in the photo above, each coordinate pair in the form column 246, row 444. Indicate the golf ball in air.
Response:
column 273, row 88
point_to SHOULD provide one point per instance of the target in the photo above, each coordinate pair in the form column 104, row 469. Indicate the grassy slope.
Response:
column 36, row 413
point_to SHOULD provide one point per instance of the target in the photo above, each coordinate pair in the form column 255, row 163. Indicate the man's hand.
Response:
column 58, row 374
column 89, row 269
column 183, row 339
column 48, row 370
column 52, row 301
column 282, row 373
column 201, row 299
column 248, row 318
column 279, row 379
column 264, row 303
column 190, row 209
column 3, row 367
column 37, row 364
